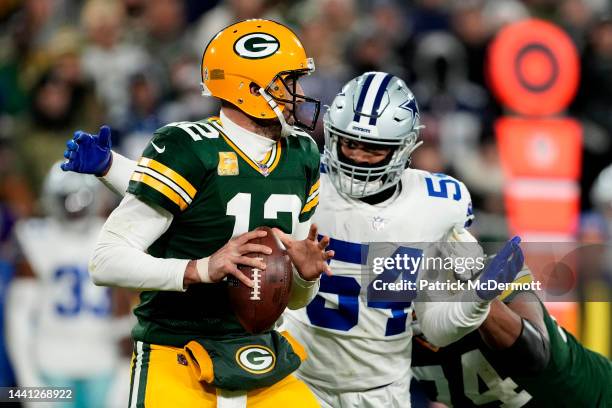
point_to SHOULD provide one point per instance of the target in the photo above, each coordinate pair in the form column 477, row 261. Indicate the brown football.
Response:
column 257, row 308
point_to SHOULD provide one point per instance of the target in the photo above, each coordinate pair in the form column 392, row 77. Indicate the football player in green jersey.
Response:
column 519, row 357
column 184, row 225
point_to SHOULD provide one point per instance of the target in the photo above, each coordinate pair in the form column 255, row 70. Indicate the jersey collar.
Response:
column 261, row 153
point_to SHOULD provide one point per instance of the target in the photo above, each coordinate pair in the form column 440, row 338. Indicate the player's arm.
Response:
column 120, row 257
column 516, row 332
column 446, row 322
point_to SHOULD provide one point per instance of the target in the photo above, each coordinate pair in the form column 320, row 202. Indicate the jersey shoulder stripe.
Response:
column 174, row 164
column 160, row 187
column 313, row 197
column 165, row 180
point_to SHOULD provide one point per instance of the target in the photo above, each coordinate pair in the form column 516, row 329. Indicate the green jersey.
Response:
column 215, row 192
column 467, row 373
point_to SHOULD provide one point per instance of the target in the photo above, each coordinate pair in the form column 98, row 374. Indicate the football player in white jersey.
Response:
column 359, row 351
column 60, row 329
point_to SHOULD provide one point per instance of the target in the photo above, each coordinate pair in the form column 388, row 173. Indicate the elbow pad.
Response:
column 530, row 350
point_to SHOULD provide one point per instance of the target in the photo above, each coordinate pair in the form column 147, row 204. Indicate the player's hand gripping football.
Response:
column 226, row 260
column 89, row 154
column 308, row 255
column 503, row 268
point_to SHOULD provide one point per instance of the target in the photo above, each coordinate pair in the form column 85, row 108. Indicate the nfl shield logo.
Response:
column 265, row 170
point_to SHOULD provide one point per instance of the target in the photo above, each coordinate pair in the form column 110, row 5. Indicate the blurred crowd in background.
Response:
column 135, row 65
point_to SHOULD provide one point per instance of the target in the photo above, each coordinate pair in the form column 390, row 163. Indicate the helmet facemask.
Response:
column 284, row 90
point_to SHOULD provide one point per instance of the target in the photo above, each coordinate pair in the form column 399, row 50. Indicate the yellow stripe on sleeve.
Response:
column 522, row 279
column 310, row 204
column 160, row 187
column 171, row 174
column 314, row 187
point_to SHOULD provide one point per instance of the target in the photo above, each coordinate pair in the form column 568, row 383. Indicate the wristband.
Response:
column 202, row 269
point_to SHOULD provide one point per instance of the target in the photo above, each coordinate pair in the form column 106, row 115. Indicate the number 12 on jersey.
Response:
column 240, row 207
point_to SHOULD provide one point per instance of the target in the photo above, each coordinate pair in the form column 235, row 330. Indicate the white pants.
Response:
column 394, row 395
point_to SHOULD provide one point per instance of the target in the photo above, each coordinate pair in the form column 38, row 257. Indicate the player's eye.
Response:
column 350, row 144
column 373, row 149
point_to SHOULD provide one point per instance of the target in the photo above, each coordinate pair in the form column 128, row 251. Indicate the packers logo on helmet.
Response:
column 256, row 45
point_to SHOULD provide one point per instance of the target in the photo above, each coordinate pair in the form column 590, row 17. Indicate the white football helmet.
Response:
column 376, row 108
column 68, row 196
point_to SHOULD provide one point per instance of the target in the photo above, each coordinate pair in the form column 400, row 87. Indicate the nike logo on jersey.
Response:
column 158, row 149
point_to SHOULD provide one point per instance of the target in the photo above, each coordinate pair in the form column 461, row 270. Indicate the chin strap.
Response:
column 286, row 130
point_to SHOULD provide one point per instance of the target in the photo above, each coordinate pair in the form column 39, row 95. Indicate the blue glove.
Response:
column 89, row 154
column 502, row 269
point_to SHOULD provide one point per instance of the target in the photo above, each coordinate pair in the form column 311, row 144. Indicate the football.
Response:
column 257, row 308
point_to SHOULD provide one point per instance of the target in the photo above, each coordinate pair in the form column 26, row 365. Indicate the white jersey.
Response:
column 73, row 334
column 352, row 346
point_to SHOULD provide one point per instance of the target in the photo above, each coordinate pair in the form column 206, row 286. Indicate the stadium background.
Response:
column 134, row 64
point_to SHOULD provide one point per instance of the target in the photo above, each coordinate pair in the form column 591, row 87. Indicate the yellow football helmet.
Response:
column 267, row 54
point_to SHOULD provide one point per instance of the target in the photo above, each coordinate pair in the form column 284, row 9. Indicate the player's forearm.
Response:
column 120, row 257
column 516, row 332
column 501, row 328
column 115, row 263
column 118, row 175
column 446, row 322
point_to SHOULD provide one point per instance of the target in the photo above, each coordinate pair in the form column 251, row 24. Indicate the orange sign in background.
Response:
column 537, row 210
column 533, row 69
column 540, row 148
